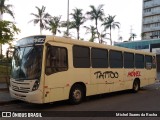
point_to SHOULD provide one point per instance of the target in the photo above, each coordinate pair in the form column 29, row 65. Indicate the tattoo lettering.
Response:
column 106, row 74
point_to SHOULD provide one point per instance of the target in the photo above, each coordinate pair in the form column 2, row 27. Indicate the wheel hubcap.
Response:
column 136, row 86
column 77, row 95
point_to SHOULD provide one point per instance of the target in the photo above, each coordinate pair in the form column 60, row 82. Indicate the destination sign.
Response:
column 31, row 40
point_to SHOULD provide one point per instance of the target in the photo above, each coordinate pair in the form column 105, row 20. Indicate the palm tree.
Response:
column 103, row 35
column 65, row 24
column 96, row 14
column 132, row 36
column 91, row 30
column 54, row 24
column 110, row 24
column 78, row 20
column 67, row 34
column 41, row 18
column 120, row 38
column 5, row 8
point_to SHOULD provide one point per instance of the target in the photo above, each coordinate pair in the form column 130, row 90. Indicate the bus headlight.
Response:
column 36, row 85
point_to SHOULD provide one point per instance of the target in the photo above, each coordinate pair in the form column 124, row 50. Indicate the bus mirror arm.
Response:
column 47, row 44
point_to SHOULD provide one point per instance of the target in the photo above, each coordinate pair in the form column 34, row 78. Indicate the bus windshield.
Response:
column 27, row 62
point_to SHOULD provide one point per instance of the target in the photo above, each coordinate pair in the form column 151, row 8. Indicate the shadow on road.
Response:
column 59, row 104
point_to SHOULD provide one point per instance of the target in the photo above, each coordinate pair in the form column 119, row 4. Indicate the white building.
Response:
column 151, row 19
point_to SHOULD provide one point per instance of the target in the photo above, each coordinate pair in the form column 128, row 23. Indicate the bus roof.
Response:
column 92, row 44
column 67, row 40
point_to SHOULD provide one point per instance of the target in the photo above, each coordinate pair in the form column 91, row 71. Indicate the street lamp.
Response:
column 68, row 18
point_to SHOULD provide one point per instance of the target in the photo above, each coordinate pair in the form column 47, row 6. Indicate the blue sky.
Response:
column 128, row 13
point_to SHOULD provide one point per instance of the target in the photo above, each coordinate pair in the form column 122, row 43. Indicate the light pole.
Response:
column 68, row 18
column 1, row 17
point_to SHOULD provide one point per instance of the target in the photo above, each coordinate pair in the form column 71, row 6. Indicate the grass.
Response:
column 4, row 73
column 4, row 70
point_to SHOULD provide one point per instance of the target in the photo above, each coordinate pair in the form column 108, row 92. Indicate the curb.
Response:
column 4, row 89
column 9, row 102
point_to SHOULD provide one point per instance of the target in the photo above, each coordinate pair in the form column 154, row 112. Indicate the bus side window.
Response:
column 99, row 58
column 115, row 59
column 128, row 60
column 81, row 56
column 56, row 60
column 139, row 61
column 148, row 62
column 154, row 62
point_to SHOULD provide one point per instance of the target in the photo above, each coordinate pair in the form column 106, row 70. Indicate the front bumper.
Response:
column 31, row 97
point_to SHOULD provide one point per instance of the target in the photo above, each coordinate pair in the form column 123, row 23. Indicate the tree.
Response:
column 120, row 38
column 10, row 50
column 65, row 24
column 143, row 35
column 41, row 18
column 91, row 30
column 102, row 36
column 96, row 14
column 78, row 20
column 7, row 31
column 54, row 24
column 132, row 36
column 110, row 24
column 5, row 8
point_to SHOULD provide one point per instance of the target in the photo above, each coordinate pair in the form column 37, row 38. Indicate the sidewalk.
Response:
column 5, row 97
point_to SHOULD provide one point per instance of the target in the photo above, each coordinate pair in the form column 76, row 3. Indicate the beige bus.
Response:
column 49, row 68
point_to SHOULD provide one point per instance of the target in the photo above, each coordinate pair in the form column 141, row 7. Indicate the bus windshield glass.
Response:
column 27, row 62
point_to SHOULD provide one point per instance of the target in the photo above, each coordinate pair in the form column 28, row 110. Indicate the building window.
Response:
column 147, row 10
column 147, row 26
column 147, row 0
column 81, row 56
column 99, row 58
column 155, row 34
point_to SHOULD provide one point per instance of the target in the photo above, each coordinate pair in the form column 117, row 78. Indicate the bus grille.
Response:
column 20, row 89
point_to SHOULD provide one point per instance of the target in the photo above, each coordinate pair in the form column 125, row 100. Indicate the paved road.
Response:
column 147, row 99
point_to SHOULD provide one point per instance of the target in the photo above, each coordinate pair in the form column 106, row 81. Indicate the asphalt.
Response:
column 5, row 97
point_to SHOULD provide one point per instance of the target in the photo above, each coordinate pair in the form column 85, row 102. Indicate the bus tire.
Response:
column 76, row 94
column 136, row 86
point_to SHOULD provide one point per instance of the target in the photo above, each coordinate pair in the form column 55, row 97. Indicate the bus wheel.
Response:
column 136, row 86
column 76, row 94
